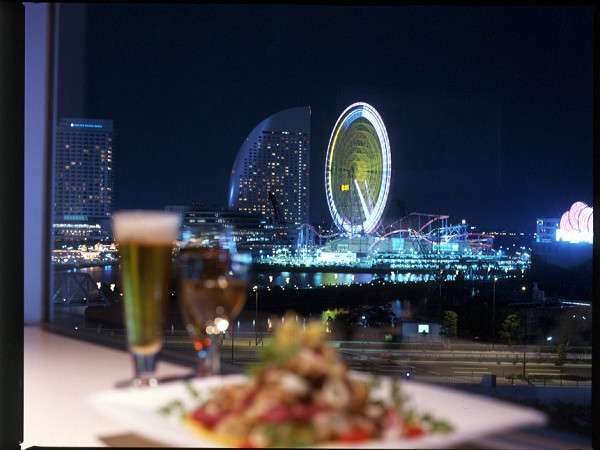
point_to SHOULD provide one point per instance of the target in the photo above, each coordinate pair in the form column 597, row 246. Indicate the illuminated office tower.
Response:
column 545, row 230
column 83, row 179
column 270, row 175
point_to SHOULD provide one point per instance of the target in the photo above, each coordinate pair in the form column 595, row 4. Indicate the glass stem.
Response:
column 145, row 368
column 209, row 359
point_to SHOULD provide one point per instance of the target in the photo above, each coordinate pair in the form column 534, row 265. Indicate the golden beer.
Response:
column 145, row 240
column 145, row 277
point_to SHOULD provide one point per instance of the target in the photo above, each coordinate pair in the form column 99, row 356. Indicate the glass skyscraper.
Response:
column 270, row 176
column 83, row 178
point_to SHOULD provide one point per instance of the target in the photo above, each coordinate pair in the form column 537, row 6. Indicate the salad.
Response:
column 301, row 393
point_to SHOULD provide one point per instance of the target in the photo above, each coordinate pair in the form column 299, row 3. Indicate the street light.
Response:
column 255, row 289
column 494, row 309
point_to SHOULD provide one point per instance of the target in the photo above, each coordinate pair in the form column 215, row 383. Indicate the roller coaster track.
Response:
column 476, row 240
column 432, row 218
column 314, row 230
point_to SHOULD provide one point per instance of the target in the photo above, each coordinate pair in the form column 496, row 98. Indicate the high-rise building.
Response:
column 270, row 176
column 545, row 229
column 83, row 179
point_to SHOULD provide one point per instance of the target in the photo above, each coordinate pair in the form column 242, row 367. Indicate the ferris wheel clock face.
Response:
column 358, row 169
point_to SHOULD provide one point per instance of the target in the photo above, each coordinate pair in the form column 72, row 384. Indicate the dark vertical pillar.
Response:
column 596, row 251
column 12, row 33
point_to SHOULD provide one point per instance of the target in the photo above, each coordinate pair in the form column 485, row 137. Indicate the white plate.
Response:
column 472, row 416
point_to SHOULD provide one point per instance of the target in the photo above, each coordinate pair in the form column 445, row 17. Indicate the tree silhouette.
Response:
column 509, row 327
column 450, row 323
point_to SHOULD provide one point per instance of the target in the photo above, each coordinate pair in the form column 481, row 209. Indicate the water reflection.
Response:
column 103, row 274
column 308, row 280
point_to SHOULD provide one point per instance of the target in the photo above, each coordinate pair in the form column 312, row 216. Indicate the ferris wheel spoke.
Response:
column 369, row 197
column 363, row 203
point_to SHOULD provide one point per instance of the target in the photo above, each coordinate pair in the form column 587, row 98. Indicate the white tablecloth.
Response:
column 59, row 374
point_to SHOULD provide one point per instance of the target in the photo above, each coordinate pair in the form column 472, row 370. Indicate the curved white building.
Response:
column 272, row 165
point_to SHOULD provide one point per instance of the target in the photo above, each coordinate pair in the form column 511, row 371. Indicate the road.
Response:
column 426, row 365
column 460, row 367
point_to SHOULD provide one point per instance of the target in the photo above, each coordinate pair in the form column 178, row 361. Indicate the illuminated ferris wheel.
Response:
column 358, row 169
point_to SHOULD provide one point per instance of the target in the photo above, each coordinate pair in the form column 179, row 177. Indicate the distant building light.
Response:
column 549, row 338
column 423, row 328
column 76, row 225
column 85, row 125
column 564, row 302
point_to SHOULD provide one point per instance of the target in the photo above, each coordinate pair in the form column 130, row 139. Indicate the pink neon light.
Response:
column 578, row 218
column 564, row 222
column 584, row 216
column 574, row 212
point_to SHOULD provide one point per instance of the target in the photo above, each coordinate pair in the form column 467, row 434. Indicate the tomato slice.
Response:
column 355, row 435
column 208, row 420
column 413, row 431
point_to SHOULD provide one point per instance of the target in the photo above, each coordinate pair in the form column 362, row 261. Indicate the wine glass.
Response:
column 212, row 291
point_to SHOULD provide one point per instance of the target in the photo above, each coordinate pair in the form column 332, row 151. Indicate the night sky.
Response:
column 488, row 110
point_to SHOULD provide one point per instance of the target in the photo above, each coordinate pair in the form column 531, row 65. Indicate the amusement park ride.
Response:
column 357, row 184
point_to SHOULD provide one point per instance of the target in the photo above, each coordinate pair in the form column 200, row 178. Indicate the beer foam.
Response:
column 145, row 227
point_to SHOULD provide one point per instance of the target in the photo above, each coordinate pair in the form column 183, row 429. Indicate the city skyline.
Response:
column 489, row 118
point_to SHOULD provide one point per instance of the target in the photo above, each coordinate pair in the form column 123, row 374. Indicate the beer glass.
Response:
column 212, row 291
column 145, row 240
